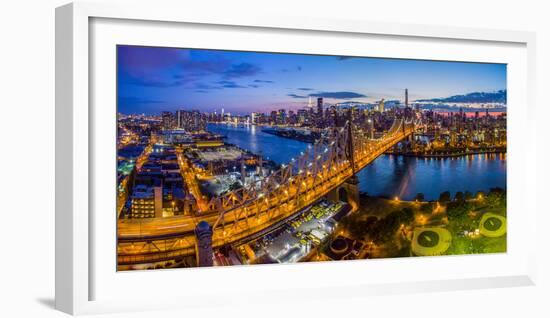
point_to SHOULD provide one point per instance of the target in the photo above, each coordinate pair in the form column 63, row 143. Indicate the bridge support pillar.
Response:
column 350, row 193
column 412, row 141
column 333, row 195
column 352, row 188
column 203, row 248
column 396, row 148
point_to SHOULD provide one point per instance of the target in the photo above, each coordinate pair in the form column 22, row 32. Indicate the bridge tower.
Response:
column 349, row 190
column 351, row 185
column 203, row 248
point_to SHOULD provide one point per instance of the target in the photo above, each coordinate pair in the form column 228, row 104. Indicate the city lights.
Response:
column 309, row 174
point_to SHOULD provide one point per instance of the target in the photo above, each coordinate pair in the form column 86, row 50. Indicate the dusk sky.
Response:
column 152, row 80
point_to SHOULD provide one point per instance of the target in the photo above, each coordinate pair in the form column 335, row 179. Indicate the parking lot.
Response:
column 298, row 236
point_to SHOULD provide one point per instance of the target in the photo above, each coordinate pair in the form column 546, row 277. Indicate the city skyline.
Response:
column 151, row 79
column 269, row 180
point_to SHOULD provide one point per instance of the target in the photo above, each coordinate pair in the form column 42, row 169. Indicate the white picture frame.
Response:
column 75, row 268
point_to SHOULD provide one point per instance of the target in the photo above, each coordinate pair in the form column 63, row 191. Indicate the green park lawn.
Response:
column 431, row 241
column 487, row 240
column 452, row 228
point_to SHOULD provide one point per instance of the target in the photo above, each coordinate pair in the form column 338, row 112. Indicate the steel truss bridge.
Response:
column 324, row 167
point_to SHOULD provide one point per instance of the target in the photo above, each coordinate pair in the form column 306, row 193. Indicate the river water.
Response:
column 388, row 175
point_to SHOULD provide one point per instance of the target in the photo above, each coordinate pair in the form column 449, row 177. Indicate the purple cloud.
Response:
column 296, row 96
column 241, row 70
column 263, row 81
column 152, row 81
column 338, row 95
column 229, row 84
column 133, row 101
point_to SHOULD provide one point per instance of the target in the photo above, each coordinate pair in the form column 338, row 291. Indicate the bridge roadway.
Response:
column 151, row 240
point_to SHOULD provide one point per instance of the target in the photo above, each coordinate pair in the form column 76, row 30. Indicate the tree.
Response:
column 456, row 209
column 383, row 230
column 371, row 220
column 406, row 216
column 496, row 197
column 427, row 208
column 459, row 196
column 445, row 197
column 419, row 197
column 468, row 195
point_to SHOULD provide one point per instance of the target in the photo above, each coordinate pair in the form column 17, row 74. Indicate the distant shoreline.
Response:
column 460, row 154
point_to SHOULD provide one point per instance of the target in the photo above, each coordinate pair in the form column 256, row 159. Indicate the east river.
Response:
column 388, row 175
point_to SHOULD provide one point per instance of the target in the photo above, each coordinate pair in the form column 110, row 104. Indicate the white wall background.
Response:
column 27, row 157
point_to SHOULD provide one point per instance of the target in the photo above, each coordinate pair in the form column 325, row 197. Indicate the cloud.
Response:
column 131, row 101
column 229, row 84
column 253, row 85
column 152, row 81
column 262, row 81
column 295, row 69
column 165, row 67
column 338, row 95
column 305, row 89
column 296, row 96
column 241, row 70
column 218, row 65
column 203, row 86
column 146, row 58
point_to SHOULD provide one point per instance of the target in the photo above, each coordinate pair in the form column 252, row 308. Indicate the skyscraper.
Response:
column 381, row 106
column 320, row 116
column 255, row 118
column 320, row 106
column 281, row 114
column 190, row 120
column 167, row 121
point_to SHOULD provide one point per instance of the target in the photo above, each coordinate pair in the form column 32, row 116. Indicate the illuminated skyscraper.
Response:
column 254, row 117
column 167, row 120
column 320, row 117
column 191, row 120
column 320, row 106
column 381, row 106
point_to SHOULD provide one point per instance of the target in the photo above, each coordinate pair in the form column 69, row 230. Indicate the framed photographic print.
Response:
column 269, row 153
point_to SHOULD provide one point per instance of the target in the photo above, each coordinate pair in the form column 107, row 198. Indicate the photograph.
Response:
column 229, row 157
